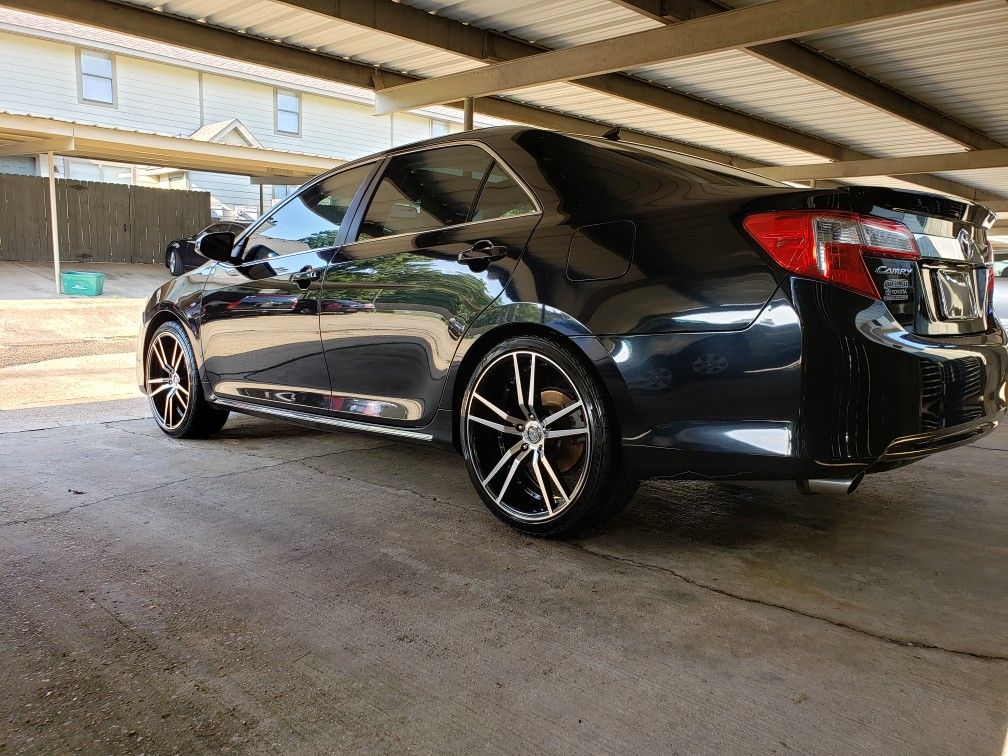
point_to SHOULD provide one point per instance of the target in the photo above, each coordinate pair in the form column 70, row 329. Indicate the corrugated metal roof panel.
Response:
column 279, row 22
column 553, row 23
column 742, row 82
column 570, row 98
column 955, row 59
column 991, row 179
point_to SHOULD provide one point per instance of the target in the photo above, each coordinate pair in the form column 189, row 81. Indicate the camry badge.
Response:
column 886, row 270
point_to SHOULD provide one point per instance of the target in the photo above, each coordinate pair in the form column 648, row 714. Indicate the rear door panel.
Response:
column 395, row 309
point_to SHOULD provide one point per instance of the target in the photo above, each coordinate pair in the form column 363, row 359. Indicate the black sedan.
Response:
column 181, row 255
column 575, row 314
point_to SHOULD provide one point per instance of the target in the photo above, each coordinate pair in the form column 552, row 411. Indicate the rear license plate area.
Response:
column 957, row 295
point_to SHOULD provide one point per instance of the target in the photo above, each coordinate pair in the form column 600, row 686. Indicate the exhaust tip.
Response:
column 836, row 486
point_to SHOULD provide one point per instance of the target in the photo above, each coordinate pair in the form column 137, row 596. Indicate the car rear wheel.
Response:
column 540, row 440
column 173, row 386
column 174, row 262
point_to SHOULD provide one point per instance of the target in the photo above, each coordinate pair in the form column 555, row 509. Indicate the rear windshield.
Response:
column 696, row 169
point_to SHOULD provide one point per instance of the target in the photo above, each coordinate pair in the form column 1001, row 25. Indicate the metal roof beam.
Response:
column 744, row 27
column 172, row 30
column 796, row 58
column 110, row 143
column 415, row 25
column 897, row 166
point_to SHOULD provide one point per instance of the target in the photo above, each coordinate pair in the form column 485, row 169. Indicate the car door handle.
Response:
column 483, row 251
column 305, row 276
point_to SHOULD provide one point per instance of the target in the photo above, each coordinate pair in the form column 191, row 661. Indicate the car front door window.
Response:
column 310, row 220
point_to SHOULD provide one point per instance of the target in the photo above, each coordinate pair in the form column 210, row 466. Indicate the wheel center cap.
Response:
column 534, row 433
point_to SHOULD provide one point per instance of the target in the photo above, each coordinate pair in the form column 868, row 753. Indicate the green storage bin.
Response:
column 82, row 283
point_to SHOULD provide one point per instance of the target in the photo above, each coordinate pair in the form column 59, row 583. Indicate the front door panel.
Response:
column 260, row 333
column 260, row 319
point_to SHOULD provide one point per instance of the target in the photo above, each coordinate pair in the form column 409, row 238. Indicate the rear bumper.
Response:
column 911, row 448
column 825, row 384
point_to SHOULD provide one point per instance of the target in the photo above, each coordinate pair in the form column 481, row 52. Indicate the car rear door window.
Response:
column 502, row 197
column 425, row 190
column 309, row 220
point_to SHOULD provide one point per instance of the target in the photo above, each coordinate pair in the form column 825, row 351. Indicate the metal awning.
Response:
column 25, row 134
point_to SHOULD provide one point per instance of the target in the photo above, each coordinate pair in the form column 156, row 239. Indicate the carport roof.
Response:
column 923, row 83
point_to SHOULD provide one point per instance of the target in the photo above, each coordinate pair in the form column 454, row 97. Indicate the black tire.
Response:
column 174, row 389
column 551, row 485
column 173, row 261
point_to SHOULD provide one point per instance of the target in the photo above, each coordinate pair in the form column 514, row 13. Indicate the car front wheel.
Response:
column 173, row 386
column 540, row 440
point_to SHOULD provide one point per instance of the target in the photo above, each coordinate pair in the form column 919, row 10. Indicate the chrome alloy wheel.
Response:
column 528, row 435
column 168, row 385
column 173, row 262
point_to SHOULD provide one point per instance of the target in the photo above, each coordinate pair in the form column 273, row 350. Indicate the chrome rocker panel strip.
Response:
column 318, row 421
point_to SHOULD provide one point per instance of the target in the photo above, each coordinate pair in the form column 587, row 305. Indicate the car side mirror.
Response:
column 217, row 246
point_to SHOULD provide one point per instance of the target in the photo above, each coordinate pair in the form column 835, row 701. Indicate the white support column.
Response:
column 467, row 114
column 262, row 200
column 53, row 222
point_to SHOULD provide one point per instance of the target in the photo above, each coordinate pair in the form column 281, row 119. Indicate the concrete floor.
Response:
column 276, row 589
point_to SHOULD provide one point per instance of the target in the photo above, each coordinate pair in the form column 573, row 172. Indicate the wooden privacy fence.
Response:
column 98, row 222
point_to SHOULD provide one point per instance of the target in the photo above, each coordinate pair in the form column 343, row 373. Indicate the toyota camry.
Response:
column 577, row 314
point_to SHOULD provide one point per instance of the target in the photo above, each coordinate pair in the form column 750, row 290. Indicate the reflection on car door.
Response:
column 259, row 324
column 397, row 299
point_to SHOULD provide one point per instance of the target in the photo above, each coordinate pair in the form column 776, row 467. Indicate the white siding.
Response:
column 328, row 126
column 407, row 128
column 39, row 76
column 340, row 128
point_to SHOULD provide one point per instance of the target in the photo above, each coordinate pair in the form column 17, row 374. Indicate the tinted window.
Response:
column 501, row 197
column 695, row 169
column 425, row 190
column 310, row 220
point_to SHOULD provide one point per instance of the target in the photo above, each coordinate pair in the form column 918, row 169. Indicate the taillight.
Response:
column 831, row 245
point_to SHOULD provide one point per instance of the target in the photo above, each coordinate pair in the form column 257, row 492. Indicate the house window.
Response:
column 438, row 128
column 97, row 78
column 288, row 112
